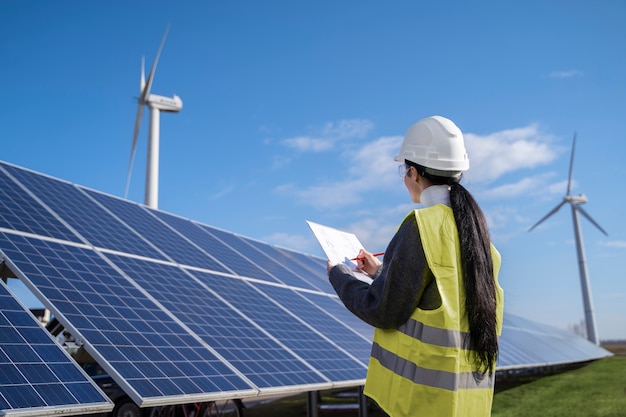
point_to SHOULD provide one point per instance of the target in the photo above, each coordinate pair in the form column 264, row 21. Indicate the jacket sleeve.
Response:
column 397, row 286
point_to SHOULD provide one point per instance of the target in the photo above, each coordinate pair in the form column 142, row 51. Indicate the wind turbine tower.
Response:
column 156, row 104
column 575, row 203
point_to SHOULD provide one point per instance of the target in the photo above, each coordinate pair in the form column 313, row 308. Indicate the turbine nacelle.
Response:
column 166, row 104
column 576, row 199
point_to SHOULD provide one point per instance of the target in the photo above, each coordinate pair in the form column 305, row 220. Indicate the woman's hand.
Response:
column 367, row 262
column 329, row 266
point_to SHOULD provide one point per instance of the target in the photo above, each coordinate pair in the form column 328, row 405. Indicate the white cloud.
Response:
column 293, row 242
column 280, row 161
column 375, row 232
column 506, row 151
column 566, row 74
column 375, row 160
column 306, row 143
column 499, row 219
column 559, row 188
column 371, row 170
column 326, row 195
column 616, row 244
column 353, row 128
column 326, row 137
column 535, row 185
column 225, row 189
column 523, row 186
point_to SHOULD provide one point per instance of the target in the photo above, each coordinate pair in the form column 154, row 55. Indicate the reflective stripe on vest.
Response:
column 437, row 379
column 434, row 335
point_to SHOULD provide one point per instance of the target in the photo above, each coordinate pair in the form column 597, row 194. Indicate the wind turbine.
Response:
column 156, row 104
column 575, row 203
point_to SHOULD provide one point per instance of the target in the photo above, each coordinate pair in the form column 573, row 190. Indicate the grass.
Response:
column 595, row 390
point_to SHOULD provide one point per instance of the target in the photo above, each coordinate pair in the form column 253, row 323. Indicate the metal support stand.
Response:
column 362, row 403
column 311, row 404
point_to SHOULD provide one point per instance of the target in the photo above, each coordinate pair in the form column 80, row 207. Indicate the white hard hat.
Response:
column 436, row 143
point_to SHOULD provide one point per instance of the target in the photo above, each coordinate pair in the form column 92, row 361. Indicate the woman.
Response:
column 435, row 301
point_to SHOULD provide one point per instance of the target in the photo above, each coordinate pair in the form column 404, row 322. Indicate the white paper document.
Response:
column 340, row 247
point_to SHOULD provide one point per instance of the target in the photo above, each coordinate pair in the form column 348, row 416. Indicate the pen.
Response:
column 375, row 254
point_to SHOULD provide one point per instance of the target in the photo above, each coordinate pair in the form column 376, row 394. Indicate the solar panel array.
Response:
column 178, row 311
column 528, row 344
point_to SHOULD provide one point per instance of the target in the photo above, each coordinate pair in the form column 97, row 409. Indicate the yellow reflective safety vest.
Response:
column 422, row 367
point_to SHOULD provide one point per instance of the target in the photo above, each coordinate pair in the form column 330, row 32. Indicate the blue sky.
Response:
column 293, row 111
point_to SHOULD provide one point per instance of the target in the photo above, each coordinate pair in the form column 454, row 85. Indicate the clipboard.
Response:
column 339, row 246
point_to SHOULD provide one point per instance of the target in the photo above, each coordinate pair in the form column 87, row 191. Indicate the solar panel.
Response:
column 36, row 375
column 178, row 311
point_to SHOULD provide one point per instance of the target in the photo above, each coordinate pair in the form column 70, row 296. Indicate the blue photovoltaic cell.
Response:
column 255, row 354
column 228, row 260
column 154, row 354
column 78, row 210
column 512, row 349
column 330, row 326
column 221, row 244
column 166, row 239
column 333, row 306
column 285, row 268
column 315, row 266
column 19, row 211
column 298, row 336
column 34, row 371
column 278, row 272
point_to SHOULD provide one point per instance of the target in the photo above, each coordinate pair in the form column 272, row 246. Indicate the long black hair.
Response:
column 477, row 264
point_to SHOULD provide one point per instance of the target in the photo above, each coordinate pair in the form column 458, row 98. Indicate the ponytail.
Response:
column 480, row 290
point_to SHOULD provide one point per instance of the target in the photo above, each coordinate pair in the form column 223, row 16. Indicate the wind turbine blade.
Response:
column 146, row 90
column 554, row 210
column 571, row 166
column 142, row 80
column 584, row 213
column 134, row 147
